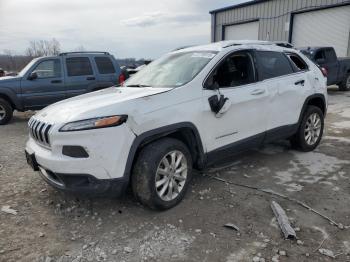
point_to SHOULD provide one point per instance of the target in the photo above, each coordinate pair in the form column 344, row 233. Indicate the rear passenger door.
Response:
column 80, row 76
column 286, row 88
column 106, row 72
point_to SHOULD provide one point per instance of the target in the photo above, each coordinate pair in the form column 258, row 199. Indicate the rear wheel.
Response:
column 162, row 173
column 6, row 112
column 310, row 130
column 345, row 84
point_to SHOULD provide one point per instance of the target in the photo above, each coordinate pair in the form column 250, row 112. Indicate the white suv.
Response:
column 185, row 110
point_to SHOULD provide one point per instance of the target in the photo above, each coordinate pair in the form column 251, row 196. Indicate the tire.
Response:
column 145, row 174
column 6, row 112
column 304, row 140
column 345, row 84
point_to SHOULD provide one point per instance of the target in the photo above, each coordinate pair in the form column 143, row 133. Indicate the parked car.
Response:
column 46, row 80
column 2, row 72
column 125, row 73
column 188, row 109
column 132, row 71
column 338, row 69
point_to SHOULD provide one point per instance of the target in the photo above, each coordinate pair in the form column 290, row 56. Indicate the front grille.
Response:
column 39, row 131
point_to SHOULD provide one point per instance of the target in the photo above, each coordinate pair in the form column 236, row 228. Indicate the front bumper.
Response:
column 84, row 184
column 102, row 172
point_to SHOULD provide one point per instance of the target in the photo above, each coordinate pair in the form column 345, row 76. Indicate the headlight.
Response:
column 93, row 123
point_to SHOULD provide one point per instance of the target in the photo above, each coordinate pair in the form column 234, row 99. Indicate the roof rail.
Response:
column 84, row 52
column 229, row 43
column 182, row 47
column 284, row 44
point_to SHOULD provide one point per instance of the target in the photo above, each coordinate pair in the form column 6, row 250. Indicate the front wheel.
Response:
column 162, row 173
column 6, row 112
column 310, row 130
column 345, row 84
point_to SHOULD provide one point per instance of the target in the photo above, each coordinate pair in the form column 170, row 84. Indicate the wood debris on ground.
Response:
column 283, row 221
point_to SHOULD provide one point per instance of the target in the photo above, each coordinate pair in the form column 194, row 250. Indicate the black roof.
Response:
column 253, row 2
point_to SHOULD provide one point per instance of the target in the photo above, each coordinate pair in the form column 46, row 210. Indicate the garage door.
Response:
column 247, row 31
column 329, row 27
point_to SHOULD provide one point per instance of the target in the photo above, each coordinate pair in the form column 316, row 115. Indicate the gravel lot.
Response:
column 52, row 226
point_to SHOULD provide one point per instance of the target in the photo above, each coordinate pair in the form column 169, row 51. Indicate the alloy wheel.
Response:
column 2, row 112
column 347, row 84
column 312, row 129
column 171, row 175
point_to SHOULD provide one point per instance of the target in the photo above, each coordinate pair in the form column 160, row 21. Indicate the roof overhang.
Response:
column 237, row 6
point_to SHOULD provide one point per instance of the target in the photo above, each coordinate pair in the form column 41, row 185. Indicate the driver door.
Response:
column 47, row 88
column 244, row 121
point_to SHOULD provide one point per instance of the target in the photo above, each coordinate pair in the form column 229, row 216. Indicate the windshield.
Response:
column 171, row 70
column 26, row 68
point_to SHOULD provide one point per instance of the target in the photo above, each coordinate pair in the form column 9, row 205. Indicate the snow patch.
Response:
column 318, row 163
column 340, row 139
column 241, row 255
column 342, row 125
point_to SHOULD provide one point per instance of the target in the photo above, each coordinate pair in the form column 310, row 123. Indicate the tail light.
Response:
column 121, row 79
column 324, row 71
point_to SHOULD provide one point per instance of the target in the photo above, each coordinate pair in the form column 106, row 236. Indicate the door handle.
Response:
column 91, row 78
column 257, row 92
column 56, row 81
column 301, row 82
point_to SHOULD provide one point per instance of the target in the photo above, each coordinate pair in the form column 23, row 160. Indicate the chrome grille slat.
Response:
column 46, row 134
column 36, row 130
column 39, row 131
column 40, row 127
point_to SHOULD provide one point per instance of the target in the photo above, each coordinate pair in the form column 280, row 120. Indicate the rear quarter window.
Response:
column 297, row 62
column 104, row 65
column 78, row 66
column 273, row 64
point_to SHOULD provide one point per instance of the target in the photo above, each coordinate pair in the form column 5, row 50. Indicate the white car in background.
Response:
column 186, row 110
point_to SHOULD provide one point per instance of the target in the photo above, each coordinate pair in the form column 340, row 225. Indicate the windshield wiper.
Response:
column 138, row 85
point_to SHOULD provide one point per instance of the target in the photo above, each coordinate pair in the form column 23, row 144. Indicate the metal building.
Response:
column 300, row 22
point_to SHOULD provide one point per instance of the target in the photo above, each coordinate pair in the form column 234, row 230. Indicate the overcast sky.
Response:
column 134, row 28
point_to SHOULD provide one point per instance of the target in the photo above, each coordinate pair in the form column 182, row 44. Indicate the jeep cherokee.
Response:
column 185, row 110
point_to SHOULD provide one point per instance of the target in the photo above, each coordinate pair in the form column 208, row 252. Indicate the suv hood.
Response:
column 8, row 79
column 111, row 101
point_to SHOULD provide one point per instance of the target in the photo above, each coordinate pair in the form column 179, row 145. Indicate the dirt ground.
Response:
column 53, row 226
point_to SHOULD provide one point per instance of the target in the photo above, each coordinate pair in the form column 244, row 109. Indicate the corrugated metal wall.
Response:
column 274, row 17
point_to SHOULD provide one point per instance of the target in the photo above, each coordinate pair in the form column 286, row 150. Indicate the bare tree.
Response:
column 10, row 59
column 43, row 48
column 80, row 48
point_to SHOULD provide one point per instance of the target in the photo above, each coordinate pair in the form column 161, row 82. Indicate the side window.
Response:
column 235, row 70
column 78, row 66
column 330, row 55
column 273, row 64
column 320, row 56
column 48, row 69
column 104, row 65
column 298, row 63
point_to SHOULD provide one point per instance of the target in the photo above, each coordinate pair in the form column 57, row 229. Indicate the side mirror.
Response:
column 33, row 76
column 320, row 61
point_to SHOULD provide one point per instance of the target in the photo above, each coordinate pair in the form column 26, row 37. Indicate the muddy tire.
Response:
column 310, row 130
column 162, row 173
column 345, row 84
column 6, row 112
